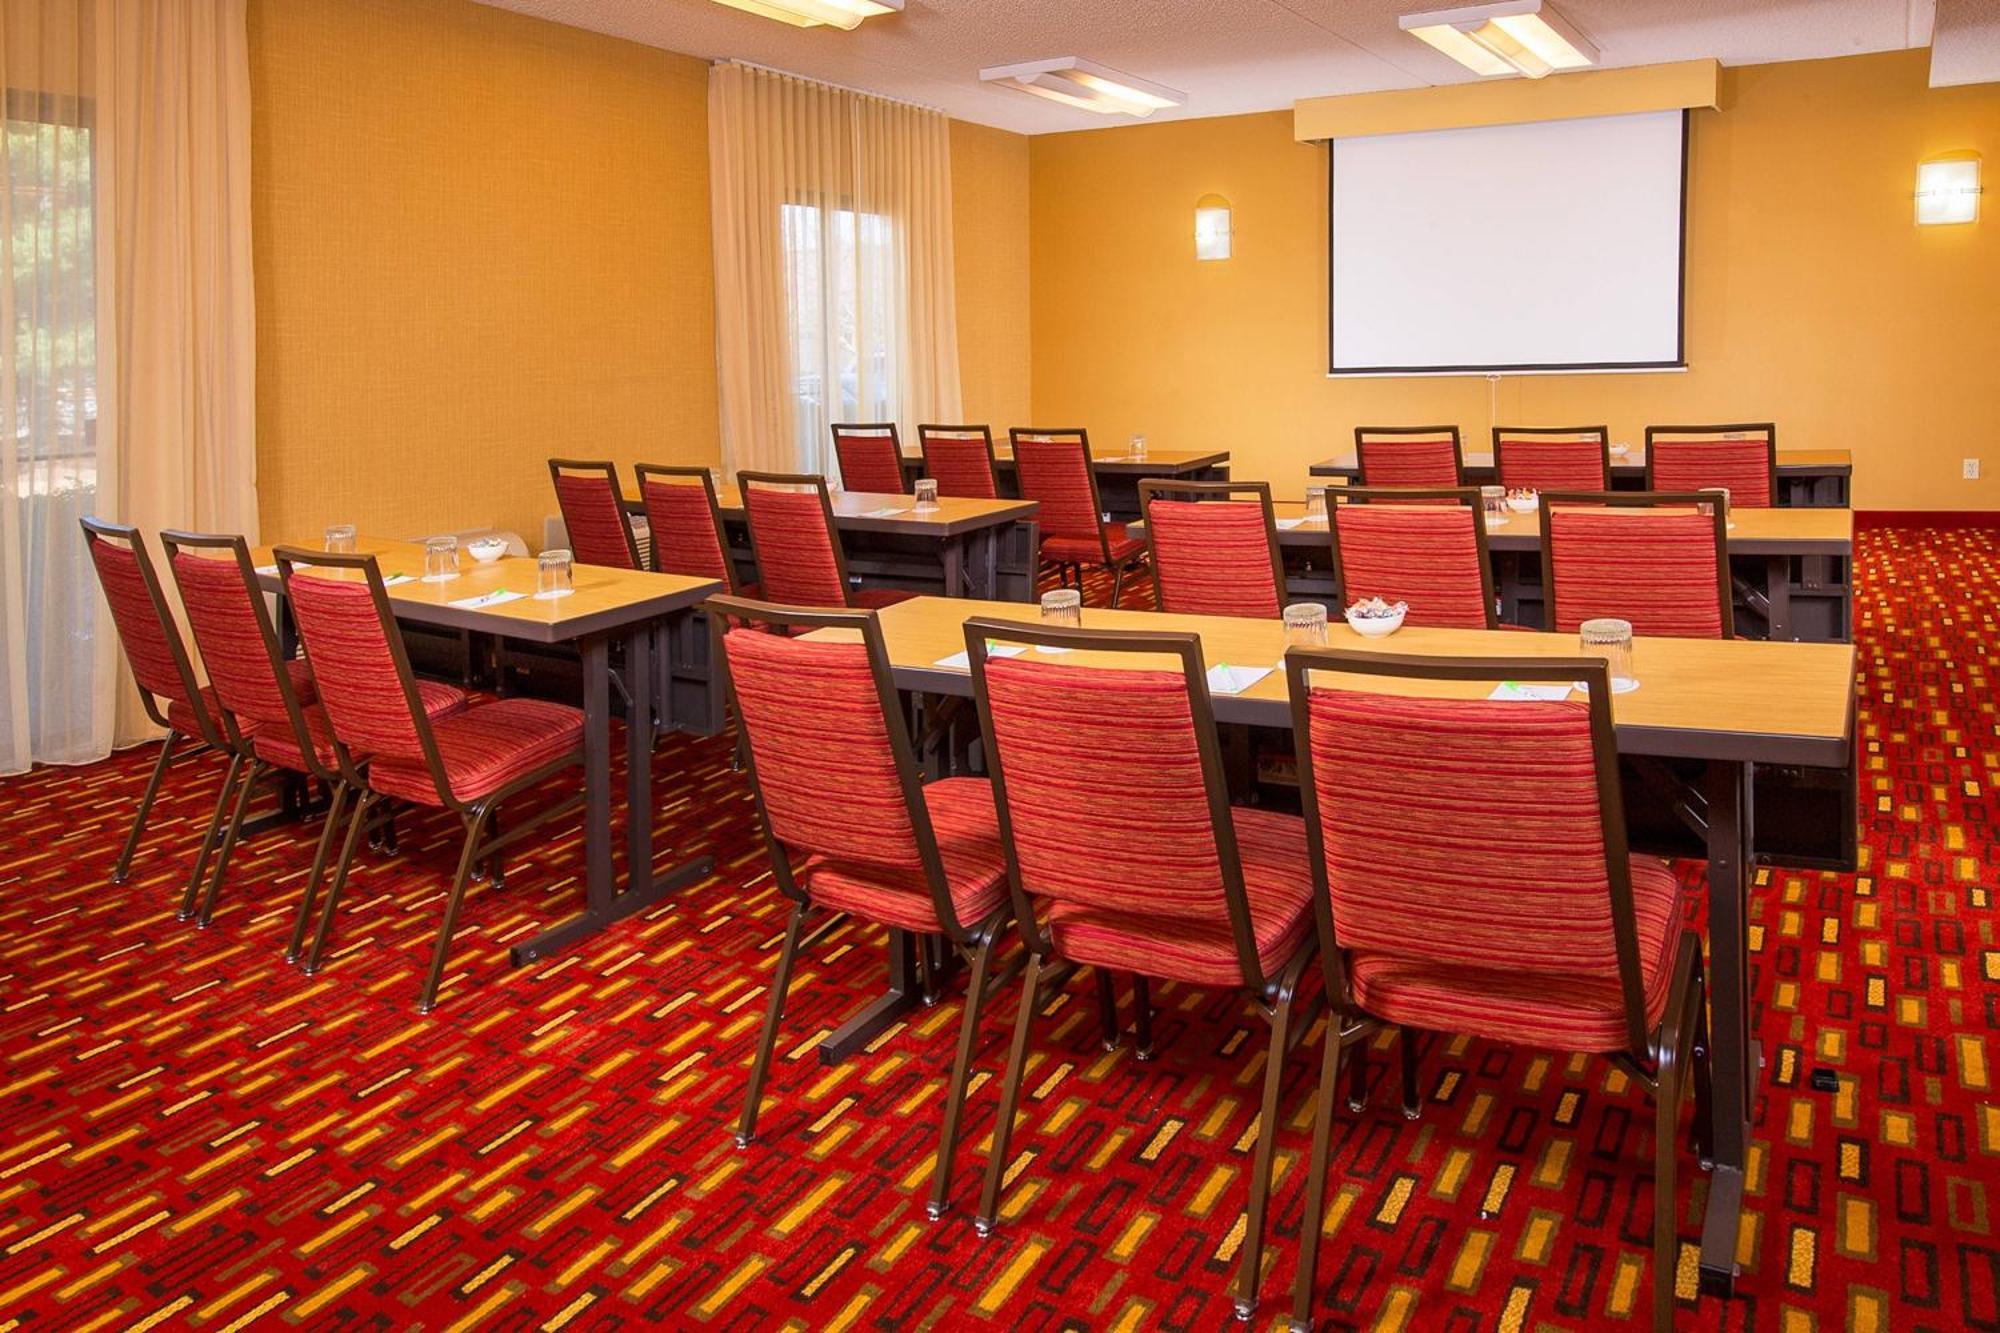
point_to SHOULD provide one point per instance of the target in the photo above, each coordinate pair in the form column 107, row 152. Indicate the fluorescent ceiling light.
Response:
column 1086, row 86
column 1514, row 37
column 844, row 14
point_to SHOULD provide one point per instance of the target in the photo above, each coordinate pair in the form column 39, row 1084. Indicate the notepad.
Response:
column 960, row 662
column 888, row 511
column 484, row 600
column 1287, row 524
column 391, row 580
column 1226, row 679
column 1512, row 691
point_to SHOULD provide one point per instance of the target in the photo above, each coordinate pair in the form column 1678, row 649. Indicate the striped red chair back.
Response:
column 225, row 615
column 681, row 515
column 1103, row 789
column 1741, row 459
column 1665, row 569
column 360, row 676
column 870, row 456
column 1430, row 554
column 593, row 509
column 1552, row 460
column 1213, row 556
column 1425, row 457
column 1053, row 468
column 159, row 663
column 820, row 745
column 960, row 460
column 798, row 555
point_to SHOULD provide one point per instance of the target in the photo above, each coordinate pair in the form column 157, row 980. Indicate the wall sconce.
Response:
column 1211, row 227
column 1948, row 190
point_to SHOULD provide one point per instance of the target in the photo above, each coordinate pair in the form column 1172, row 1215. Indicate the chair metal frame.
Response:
column 1151, row 488
column 1338, row 497
column 924, row 430
column 1362, row 434
column 1015, row 434
column 895, row 447
column 1725, row 584
column 1272, row 995
column 476, row 815
column 1767, row 429
column 1504, row 435
column 812, row 481
column 974, row 942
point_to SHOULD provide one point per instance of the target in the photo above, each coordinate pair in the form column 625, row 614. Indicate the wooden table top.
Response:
column 604, row 599
column 858, row 511
column 1157, row 462
column 1632, row 463
column 1755, row 531
column 1733, row 699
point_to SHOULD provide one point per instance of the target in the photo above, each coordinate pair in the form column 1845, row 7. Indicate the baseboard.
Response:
column 1865, row 519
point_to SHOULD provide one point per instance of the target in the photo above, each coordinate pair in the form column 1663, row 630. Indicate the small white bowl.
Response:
column 486, row 549
column 1523, row 504
column 1620, row 450
column 1377, row 627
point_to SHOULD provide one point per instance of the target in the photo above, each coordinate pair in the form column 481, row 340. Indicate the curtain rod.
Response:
column 828, row 83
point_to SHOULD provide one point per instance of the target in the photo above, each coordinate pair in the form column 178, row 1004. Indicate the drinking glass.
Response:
column 927, row 493
column 1063, row 607
column 1305, row 624
column 340, row 539
column 1138, row 448
column 553, row 575
column 440, row 559
column 1611, row 640
column 1495, row 500
column 1315, row 504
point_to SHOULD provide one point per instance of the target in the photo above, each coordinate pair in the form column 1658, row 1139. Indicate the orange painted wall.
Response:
column 1813, row 299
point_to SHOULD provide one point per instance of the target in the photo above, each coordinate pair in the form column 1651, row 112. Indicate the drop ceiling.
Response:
column 1228, row 56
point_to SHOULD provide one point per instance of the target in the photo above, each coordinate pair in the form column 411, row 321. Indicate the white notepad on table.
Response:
column 1226, row 679
column 1287, row 524
column 1513, row 691
column 958, row 661
column 484, row 600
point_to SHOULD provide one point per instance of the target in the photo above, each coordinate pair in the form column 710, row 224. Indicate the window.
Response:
column 51, row 248
column 840, row 281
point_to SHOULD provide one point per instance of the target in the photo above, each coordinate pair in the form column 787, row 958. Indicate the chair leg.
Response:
column 210, row 838
column 1010, row 1095
column 1267, row 1137
column 1666, row 1148
column 961, row 1072
column 1117, row 586
column 474, row 824
column 1357, row 1079
column 781, row 981
column 1704, row 1087
column 122, row 870
column 1107, row 1008
column 336, row 806
column 356, row 823
column 1413, row 1104
column 1142, row 1018
column 1303, row 1294
column 234, row 831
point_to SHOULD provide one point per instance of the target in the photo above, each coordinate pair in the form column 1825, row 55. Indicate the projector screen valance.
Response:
column 1552, row 246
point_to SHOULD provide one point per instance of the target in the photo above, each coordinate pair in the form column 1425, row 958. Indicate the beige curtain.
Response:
column 127, row 385
column 833, row 265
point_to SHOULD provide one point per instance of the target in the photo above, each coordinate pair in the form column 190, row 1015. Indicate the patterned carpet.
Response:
column 193, row 1134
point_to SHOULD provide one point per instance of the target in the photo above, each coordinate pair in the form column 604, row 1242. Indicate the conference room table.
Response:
column 1806, row 477
column 1118, row 471
column 1716, row 708
column 607, row 606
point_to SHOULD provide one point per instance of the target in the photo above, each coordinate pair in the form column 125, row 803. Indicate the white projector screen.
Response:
column 1554, row 246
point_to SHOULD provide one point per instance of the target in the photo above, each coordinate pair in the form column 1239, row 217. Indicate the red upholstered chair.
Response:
column 1053, row 468
column 467, row 763
column 1165, row 880
column 1652, row 558
column 266, row 703
column 168, row 689
column 1556, row 458
column 792, row 533
column 1507, row 906
column 686, row 524
column 593, row 509
column 960, row 460
column 870, row 457
column 1425, row 456
column 850, row 826
column 1742, row 459
column 1429, row 552
column 1213, row 553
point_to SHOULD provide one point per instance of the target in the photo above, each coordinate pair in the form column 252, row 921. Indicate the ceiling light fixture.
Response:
column 1086, row 86
column 843, row 14
column 1514, row 37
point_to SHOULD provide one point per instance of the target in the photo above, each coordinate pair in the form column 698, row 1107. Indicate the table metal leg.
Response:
column 1778, row 593
column 952, row 556
column 879, row 1014
column 1731, row 1050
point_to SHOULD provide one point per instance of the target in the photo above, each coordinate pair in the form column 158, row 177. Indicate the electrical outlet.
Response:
column 1972, row 469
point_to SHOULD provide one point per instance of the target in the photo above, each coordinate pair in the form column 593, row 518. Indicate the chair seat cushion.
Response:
column 1277, row 881
column 874, row 599
column 1564, row 1013
column 484, row 748
column 1084, row 551
column 975, row 869
column 277, row 745
column 180, row 716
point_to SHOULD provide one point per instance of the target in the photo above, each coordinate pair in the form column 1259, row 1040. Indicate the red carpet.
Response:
column 193, row 1134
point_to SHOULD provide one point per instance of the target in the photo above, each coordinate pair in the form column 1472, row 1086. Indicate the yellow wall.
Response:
column 989, row 198
column 1813, row 300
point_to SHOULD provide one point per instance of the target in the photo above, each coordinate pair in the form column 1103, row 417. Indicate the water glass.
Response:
column 1305, row 624
column 554, row 575
column 1611, row 640
column 340, row 539
column 927, row 493
column 1495, row 500
column 1063, row 608
column 1138, row 448
column 1315, row 504
column 440, row 559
